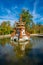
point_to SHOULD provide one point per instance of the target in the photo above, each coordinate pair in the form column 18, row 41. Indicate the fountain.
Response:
column 20, row 35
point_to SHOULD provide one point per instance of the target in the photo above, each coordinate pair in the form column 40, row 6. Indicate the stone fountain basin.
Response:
column 16, row 39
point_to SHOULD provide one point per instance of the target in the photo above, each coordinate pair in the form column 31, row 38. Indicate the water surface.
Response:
column 13, row 54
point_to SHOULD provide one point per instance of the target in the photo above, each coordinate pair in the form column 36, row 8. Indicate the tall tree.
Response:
column 27, row 18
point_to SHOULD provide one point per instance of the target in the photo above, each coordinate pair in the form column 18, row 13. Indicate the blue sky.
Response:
column 10, row 9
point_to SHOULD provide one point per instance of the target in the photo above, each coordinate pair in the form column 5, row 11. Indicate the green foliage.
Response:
column 5, row 28
column 27, row 18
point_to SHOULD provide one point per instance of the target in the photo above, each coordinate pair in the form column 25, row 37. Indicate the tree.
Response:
column 9, row 28
column 5, row 28
column 39, row 26
column 27, row 18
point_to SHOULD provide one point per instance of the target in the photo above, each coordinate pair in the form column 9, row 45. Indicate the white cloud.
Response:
column 41, row 18
column 35, row 15
column 10, row 15
column 34, row 12
column 10, row 18
column 11, row 21
column 25, row 8
column 8, row 11
column 15, row 7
